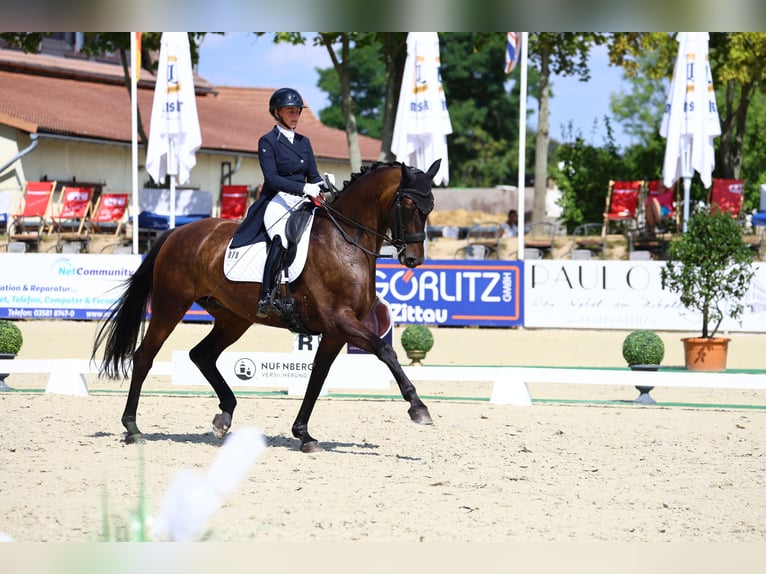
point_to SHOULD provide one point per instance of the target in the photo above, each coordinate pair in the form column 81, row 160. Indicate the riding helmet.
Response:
column 283, row 98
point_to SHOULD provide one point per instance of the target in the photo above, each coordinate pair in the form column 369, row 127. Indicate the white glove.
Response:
column 329, row 178
column 311, row 189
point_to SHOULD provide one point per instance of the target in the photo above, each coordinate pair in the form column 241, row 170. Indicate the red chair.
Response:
column 108, row 215
column 726, row 195
column 621, row 204
column 234, row 201
column 31, row 221
column 70, row 222
column 661, row 205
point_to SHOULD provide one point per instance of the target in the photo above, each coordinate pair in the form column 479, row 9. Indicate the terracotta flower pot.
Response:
column 706, row 354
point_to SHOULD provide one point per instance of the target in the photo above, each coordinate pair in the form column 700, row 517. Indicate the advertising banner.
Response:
column 621, row 295
column 62, row 286
column 453, row 292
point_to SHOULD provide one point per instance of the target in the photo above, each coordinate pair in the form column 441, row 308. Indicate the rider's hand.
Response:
column 311, row 189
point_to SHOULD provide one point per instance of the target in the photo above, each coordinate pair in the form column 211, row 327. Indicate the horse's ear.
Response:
column 433, row 169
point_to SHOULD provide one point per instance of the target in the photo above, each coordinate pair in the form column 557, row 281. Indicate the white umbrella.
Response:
column 174, row 136
column 691, row 117
column 422, row 120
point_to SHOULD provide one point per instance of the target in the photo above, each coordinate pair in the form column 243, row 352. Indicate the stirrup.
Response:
column 264, row 306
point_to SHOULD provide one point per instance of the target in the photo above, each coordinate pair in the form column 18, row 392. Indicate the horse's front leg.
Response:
column 325, row 356
column 367, row 340
column 418, row 411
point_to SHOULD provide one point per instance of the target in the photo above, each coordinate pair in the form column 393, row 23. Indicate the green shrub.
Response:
column 10, row 338
column 417, row 338
column 643, row 347
column 710, row 268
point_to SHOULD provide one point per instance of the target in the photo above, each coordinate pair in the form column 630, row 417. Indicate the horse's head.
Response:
column 413, row 202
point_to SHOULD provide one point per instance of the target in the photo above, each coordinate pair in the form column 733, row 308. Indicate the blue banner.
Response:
column 486, row 293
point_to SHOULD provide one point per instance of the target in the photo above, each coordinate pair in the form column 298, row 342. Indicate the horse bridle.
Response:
column 423, row 200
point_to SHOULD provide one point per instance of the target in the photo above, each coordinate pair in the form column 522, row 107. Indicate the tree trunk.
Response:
column 394, row 55
column 733, row 124
column 541, row 151
column 342, row 68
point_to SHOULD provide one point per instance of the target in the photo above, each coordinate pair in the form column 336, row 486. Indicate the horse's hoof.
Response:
column 311, row 446
column 421, row 416
column 137, row 438
column 221, row 425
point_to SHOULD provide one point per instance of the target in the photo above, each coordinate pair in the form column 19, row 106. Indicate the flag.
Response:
column 174, row 136
column 512, row 50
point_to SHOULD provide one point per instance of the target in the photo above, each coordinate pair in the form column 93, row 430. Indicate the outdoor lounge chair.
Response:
column 233, row 202
column 31, row 221
column 621, row 204
column 727, row 195
column 109, row 214
column 69, row 223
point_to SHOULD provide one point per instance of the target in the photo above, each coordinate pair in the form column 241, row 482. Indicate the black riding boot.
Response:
column 271, row 271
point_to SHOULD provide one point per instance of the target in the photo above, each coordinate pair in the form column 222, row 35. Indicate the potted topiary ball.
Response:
column 417, row 340
column 643, row 351
column 10, row 344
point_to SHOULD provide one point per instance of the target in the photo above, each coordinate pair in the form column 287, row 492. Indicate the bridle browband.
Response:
column 423, row 200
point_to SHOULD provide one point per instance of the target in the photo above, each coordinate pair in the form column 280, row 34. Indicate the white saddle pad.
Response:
column 246, row 263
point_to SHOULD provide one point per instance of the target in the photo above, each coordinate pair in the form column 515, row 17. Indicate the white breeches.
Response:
column 277, row 212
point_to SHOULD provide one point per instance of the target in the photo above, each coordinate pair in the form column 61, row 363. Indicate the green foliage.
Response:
column 710, row 267
column 11, row 338
column 417, row 337
column 584, row 176
column 368, row 86
column 643, row 347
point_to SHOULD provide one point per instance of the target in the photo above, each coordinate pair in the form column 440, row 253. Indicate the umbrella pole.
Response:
column 687, row 196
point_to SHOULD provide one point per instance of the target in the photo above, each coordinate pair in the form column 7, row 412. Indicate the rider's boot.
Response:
column 271, row 271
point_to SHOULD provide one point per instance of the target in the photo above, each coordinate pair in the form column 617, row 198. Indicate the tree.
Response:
column 483, row 148
column 738, row 66
column 563, row 54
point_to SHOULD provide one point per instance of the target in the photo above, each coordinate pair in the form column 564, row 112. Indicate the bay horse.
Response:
column 333, row 294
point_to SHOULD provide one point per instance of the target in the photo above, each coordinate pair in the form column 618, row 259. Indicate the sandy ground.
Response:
column 584, row 470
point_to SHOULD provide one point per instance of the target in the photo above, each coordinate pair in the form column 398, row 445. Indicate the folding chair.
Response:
column 726, row 195
column 661, row 202
column 108, row 214
column 233, row 203
column 31, row 221
column 621, row 204
column 70, row 222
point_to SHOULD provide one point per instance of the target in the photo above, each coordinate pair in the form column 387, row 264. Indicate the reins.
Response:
column 398, row 238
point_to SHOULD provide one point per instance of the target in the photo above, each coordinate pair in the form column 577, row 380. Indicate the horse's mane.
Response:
column 366, row 169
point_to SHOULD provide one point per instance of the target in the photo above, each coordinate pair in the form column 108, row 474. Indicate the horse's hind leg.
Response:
column 143, row 359
column 206, row 353
column 325, row 356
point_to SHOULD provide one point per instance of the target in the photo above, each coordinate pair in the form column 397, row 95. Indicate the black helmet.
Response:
column 283, row 98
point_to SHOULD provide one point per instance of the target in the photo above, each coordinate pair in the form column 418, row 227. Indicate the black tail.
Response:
column 119, row 331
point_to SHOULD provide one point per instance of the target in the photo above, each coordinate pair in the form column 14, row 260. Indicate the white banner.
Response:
column 62, row 286
column 620, row 295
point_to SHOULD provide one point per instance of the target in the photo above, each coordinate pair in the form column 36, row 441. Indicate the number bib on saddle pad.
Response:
column 246, row 263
